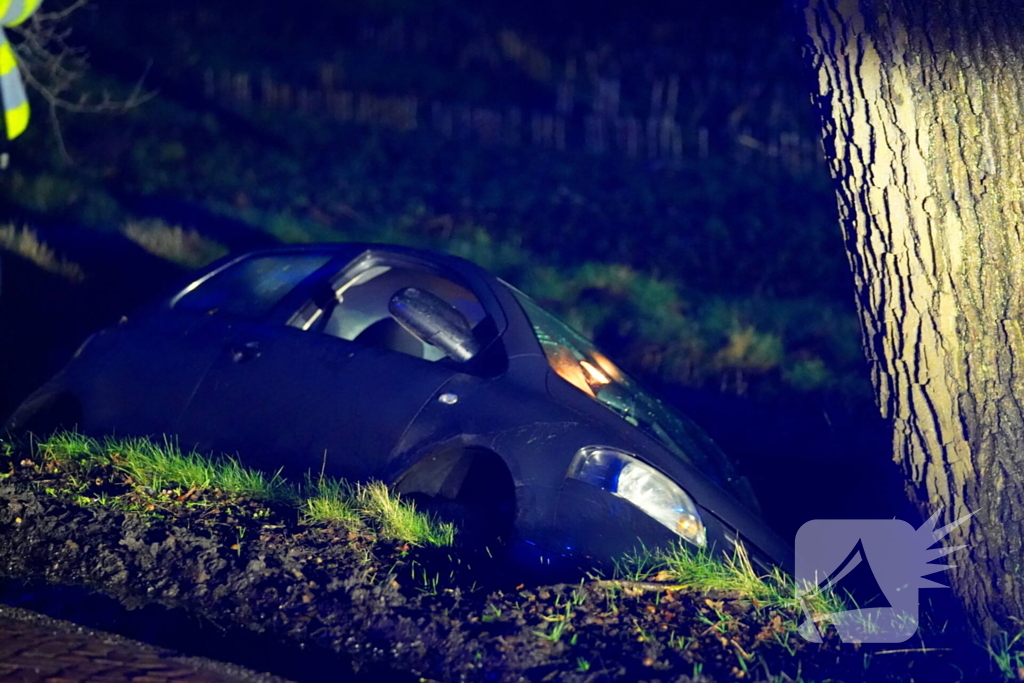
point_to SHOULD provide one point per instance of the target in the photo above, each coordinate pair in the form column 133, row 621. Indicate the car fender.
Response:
column 534, row 441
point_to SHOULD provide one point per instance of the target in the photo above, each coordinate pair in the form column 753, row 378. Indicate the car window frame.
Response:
column 288, row 306
column 341, row 269
column 274, row 310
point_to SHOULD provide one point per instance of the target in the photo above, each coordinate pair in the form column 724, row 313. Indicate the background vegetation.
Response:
column 650, row 173
column 722, row 266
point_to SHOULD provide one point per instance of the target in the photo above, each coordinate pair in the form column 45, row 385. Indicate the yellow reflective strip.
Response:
column 7, row 61
column 4, row 6
column 30, row 7
column 16, row 120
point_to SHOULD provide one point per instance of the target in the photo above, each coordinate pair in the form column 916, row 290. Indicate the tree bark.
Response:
column 922, row 105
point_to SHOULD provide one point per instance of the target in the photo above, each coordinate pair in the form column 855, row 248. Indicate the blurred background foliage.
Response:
column 712, row 260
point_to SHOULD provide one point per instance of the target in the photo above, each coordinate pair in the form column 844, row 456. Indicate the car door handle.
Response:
column 243, row 353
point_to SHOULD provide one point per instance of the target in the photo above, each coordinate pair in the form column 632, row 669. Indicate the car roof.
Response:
column 353, row 248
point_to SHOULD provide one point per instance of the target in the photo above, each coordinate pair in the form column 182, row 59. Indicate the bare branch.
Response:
column 54, row 68
column 60, row 15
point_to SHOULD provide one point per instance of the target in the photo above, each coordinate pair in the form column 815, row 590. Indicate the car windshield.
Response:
column 580, row 363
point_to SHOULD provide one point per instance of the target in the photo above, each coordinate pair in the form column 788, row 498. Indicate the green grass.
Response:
column 398, row 519
column 331, row 502
column 71, row 449
column 1008, row 654
column 356, row 505
column 162, row 471
column 699, row 569
column 158, row 467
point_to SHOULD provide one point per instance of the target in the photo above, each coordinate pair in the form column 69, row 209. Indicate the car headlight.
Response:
column 645, row 487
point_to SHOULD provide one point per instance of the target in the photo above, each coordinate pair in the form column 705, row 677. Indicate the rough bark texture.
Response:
column 922, row 104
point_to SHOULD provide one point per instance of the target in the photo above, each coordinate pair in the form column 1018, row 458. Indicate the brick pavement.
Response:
column 37, row 649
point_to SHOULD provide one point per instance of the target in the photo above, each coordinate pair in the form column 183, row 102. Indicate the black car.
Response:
column 419, row 369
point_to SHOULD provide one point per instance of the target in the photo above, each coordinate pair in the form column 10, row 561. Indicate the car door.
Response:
column 150, row 365
column 329, row 385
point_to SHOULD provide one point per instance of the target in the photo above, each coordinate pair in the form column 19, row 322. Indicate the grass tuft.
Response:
column 71, row 449
column 26, row 243
column 1008, row 654
column 376, row 506
column 331, row 502
column 399, row 519
column 699, row 569
column 160, row 467
column 186, row 248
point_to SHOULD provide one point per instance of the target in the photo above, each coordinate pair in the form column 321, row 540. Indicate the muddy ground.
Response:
column 344, row 605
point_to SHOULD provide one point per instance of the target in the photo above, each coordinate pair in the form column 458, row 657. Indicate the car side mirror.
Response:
column 434, row 321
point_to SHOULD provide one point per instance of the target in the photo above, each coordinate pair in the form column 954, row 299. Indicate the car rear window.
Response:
column 251, row 287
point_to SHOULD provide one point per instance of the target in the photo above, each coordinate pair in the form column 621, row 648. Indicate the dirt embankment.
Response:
column 393, row 612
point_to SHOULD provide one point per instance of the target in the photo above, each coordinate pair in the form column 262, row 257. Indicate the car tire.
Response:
column 483, row 510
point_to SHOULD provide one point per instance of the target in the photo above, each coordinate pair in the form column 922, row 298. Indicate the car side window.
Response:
column 358, row 310
column 251, row 287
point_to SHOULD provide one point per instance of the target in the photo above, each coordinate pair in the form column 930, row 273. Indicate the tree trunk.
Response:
column 922, row 105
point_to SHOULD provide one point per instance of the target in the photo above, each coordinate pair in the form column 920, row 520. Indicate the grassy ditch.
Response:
column 358, row 574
